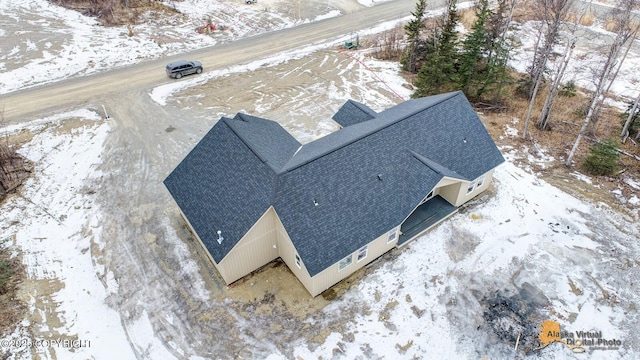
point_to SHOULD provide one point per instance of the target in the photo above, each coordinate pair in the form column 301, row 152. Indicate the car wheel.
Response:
column 178, row 75
column 199, row 71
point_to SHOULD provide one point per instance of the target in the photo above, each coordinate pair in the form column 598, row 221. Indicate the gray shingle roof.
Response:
column 353, row 112
column 222, row 185
column 335, row 194
column 438, row 168
column 266, row 138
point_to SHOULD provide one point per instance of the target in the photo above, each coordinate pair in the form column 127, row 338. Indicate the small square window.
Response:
column 345, row 262
column 393, row 234
column 471, row 187
column 362, row 252
column 298, row 261
column 480, row 181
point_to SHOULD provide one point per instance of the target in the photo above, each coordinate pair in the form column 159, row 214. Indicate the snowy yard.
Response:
column 112, row 270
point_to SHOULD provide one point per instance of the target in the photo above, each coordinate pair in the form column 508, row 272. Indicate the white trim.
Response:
column 392, row 235
column 444, row 182
column 471, row 187
column 360, row 254
column 428, row 197
column 298, row 261
column 348, row 260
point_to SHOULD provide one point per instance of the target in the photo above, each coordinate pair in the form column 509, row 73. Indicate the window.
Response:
column 298, row 261
column 345, row 262
column 471, row 187
column 362, row 252
column 480, row 181
column 393, row 234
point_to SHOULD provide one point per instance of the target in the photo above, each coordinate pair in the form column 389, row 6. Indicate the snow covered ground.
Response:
column 58, row 223
column 41, row 42
column 522, row 253
column 432, row 301
column 587, row 59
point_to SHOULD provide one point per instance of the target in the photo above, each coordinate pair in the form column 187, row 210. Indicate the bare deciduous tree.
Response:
column 553, row 12
column 613, row 77
column 626, row 30
column 632, row 113
column 543, row 120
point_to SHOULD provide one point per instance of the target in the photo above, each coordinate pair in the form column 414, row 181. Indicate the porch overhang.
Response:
column 424, row 217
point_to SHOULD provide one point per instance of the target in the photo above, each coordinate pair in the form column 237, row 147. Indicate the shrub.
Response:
column 13, row 170
column 569, row 89
column 602, row 159
column 7, row 271
column 581, row 111
column 11, row 274
column 389, row 45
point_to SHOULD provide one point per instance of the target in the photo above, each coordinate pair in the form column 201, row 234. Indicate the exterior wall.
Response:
column 463, row 197
column 448, row 189
column 332, row 275
column 256, row 248
column 287, row 253
column 455, row 191
column 268, row 240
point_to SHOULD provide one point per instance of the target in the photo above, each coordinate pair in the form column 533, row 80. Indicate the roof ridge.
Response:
column 247, row 143
column 365, row 134
column 436, row 166
column 363, row 107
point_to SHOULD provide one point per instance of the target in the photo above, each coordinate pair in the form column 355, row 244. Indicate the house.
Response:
column 251, row 193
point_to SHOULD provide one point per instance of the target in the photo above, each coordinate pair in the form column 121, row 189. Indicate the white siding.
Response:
column 257, row 248
column 287, row 253
column 332, row 275
column 463, row 197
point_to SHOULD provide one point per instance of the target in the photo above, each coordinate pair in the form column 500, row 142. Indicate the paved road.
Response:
column 42, row 100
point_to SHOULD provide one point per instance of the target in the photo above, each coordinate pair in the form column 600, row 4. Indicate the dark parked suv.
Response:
column 181, row 68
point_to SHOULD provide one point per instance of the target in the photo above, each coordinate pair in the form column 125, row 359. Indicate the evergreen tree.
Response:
column 602, row 159
column 413, row 29
column 439, row 71
column 499, row 47
column 448, row 41
column 473, row 59
column 485, row 52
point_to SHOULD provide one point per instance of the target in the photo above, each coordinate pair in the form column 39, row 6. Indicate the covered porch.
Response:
column 425, row 216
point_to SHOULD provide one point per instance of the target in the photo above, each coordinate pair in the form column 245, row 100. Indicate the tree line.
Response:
column 111, row 12
column 443, row 62
column 477, row 62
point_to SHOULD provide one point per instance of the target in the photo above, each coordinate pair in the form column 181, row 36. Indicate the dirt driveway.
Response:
column 145, row 229
column 141, row 239
column 157, row 277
